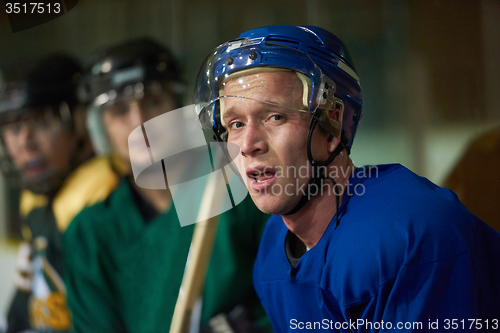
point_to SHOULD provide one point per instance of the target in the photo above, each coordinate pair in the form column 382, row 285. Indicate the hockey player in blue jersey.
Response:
column 349, row 248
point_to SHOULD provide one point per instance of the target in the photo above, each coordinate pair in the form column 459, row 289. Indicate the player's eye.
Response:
column 14, row 128
column 277, row 117
column 236, row 125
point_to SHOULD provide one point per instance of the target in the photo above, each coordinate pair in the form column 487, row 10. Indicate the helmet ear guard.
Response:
column 330, row 110
column 327, row 121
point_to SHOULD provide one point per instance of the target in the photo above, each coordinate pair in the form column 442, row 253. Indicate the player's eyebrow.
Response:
column 229, row 113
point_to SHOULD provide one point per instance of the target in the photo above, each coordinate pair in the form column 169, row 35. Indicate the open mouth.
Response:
column 261, row 178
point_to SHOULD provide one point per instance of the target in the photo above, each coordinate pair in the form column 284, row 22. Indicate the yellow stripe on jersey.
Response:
column 30, row 201
column 90, row 183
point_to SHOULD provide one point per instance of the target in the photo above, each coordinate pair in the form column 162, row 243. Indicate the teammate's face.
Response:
column 272, row 136
column 120, row 119
column 39, row 145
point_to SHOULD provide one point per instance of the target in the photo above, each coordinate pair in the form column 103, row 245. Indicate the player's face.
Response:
column 39, row 145
column 272, row 136
column 120, row 119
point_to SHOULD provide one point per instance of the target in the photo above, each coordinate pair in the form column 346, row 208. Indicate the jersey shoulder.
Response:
column 90, row 183
column 103, row 219
column 394, row 194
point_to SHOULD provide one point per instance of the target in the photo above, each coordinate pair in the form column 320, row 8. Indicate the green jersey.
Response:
column 123, row 272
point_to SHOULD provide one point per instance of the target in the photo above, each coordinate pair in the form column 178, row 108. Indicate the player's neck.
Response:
column 310, row 222
column 160, row 200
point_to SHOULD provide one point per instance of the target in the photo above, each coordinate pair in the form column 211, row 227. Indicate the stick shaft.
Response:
column 199, row 257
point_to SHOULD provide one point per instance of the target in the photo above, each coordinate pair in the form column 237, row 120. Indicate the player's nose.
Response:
column 254, row 140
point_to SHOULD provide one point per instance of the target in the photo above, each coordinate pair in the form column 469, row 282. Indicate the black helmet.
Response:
column 119, row 68
column 51, row 81
column 123, row 72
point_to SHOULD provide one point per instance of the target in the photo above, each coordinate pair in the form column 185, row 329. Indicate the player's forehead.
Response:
column 33, row 114
column 277, row 82
column 263, row 90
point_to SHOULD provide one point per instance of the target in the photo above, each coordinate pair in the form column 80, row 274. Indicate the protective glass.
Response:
column 239, row 58
column 150, row 100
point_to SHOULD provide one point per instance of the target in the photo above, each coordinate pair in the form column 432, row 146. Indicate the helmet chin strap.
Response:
column 318, row 175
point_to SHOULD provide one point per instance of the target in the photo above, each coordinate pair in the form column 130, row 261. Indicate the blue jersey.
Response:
column 406, row 256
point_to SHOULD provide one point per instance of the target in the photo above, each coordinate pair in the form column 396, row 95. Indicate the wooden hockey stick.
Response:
column 199, row 256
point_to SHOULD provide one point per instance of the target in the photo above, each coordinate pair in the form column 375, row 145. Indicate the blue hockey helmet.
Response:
column 319, row 58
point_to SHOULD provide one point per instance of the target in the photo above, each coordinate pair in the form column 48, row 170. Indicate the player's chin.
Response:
column 274, row 204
